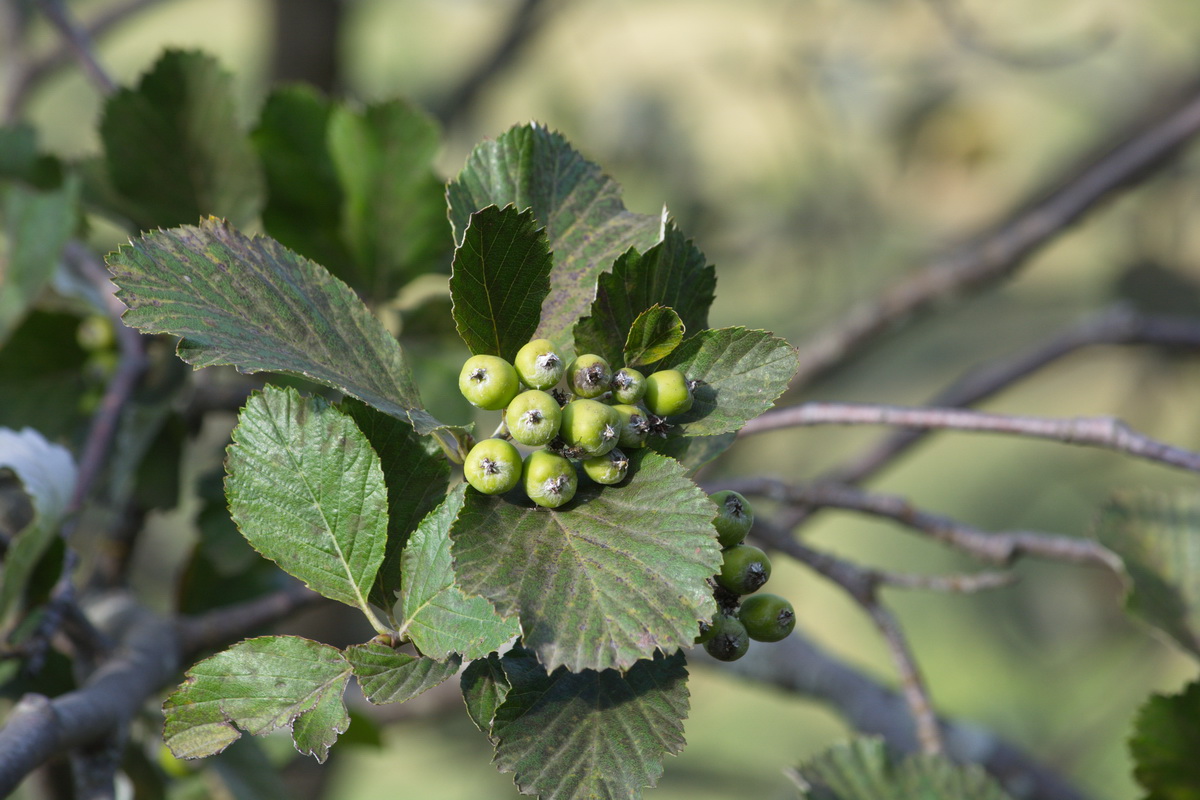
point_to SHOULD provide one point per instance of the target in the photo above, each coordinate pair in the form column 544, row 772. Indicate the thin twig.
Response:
column 1003, row 547
column 79, row 42
column 1114, row 325
column 798, row 666
column 1000, row 250
column 215, row 628
column 1103, row 432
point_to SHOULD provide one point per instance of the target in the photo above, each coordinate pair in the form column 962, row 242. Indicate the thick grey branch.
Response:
column 1104, row 432
column 798, row 666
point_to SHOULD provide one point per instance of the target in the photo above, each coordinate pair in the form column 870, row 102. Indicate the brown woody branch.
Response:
column 998, row 252
column 1103, row 432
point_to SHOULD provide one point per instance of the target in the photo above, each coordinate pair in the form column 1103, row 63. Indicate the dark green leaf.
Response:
column 501, row 275
column 859, row 770
column 609, row 578
column 672, row 273
column 416, row 482
column 259, row 685
column 43, row 383
column 174, row 149
column 607, row 732
column 654, row 334
column 484, row 687
column 388, row 676
column 1165, row 741
column 742, row 373
column 307, row 491
column 251, row 302
column 438, row 617
column 1157, row 537
column 36, row 225
column 304, row 194
column 586, row 223
column 21, row 161
column 394, row 215
column 47, row 475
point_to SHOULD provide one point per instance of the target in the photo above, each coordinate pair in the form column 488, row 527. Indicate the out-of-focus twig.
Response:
column 999, row 251
column 1115, row 325
column 79, row 42
column 1103, row 432
column 1002, row 547
column 528, row 19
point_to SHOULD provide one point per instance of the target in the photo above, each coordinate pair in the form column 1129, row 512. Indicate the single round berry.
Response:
column 734, row 517
column 488, row 382
column 744, row 569
column 635, row 426
column 549, row 480
column 628, row 385
column 707, row 631
column 538, row 365
column 533, row 418
column 493, row 466
column 767, row 617
column 668, row 393
column 607, row 469
column 729, row 640
column 590, row 426
column 589, row 375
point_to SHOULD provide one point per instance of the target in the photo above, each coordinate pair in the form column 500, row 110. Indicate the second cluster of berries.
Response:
column 744, row 570
column 576, row 425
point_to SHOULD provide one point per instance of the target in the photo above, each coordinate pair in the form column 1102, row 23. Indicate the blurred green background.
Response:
column 817, row 150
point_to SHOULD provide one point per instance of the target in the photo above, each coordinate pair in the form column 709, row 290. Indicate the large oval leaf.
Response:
column 614, row 575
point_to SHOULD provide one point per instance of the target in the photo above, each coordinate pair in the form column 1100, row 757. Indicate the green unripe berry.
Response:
column 538, row 366
column 590, row 426
column 707, row 632
column 628, row 385
column 607, row 469
column 635, row 426
column 734, row 518
column 493, row 466
column 488, row 382
column 767, row 617
column 729, row 640
column 589, row 375
column 744, row 569
column 533, row 418
column 668, row 393
column 548, row 479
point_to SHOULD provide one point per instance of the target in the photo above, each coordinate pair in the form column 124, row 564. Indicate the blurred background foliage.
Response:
column 817, row 150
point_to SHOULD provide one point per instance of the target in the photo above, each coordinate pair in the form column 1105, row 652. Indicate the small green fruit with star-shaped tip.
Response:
column 668, row 393
column 635, row 426
column 729, row 640
column 493, row 466
column 538, row 364
column 767, row 617
column 735, row 516
column 488, row 382
column 590, row 427
column 533, row 418
column 628, row 385
column 548, row 479
column 589, row 375
column 608, row 469
column 744, row 569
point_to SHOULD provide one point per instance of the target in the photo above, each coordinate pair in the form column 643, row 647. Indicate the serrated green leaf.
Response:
column 654, row 334
column 586, row 223
column 501, row 275
column 1157, row 537
column 438, row 617
column 251, row 302
column 173, row 147
column 603, row 581
column 741, row 373
column 394, row 216
column 484, row 687
column 307, row 491
column 47, row 476
column 860, row 770
column 259, row 685
column 577, row 735
column 303, row 210
column 388, row 676
column 672, row 273
column 416, row 482
column 36, row 225
column 1165, row 741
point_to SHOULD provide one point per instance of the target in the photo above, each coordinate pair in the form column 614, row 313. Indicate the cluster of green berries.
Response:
column 744, row 570
column 601, row 412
